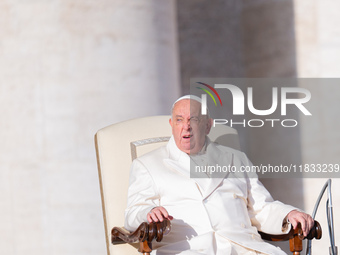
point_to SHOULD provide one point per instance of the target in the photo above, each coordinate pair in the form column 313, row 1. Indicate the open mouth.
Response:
column 187, row 136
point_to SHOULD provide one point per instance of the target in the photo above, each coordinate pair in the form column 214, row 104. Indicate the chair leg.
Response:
column 145, row 248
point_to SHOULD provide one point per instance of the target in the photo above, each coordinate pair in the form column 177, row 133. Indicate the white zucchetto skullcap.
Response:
column 192, row 97
column 196, row 98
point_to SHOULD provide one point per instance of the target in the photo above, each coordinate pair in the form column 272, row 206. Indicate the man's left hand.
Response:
column 295, row 217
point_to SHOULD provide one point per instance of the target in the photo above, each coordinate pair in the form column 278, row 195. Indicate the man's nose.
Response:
column 187, row 125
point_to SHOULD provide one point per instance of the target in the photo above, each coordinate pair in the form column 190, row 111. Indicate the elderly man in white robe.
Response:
column 213, row 216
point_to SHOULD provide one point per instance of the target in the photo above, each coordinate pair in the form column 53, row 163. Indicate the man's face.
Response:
column 189, row 127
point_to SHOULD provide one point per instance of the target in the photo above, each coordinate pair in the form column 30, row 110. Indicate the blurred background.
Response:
column 71, row 67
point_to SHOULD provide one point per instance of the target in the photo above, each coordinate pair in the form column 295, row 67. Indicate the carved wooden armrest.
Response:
column 295, row 237
column 144, row 234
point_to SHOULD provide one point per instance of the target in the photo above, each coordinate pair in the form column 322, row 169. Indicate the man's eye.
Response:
column 179, row 120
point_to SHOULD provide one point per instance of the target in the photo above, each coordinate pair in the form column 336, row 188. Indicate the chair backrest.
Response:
column 116, row 146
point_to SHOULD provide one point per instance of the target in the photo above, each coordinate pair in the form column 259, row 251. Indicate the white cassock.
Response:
column 214, row 216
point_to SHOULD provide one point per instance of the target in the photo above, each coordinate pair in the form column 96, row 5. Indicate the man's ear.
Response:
column 209, row 125
column 170, row 122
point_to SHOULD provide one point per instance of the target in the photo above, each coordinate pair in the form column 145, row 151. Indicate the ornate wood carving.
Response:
column 295, row 237
column 147, row 232
column 144, row 234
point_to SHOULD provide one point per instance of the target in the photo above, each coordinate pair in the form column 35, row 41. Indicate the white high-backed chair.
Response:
column 116, row 146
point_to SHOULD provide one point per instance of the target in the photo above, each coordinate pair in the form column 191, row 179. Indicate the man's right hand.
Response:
column 158, row 213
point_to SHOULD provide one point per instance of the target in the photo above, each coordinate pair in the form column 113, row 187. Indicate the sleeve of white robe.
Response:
column 265, row 214
column 142, row 196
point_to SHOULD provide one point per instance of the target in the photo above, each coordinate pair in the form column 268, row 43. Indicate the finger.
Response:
column 308, row 226
column 149, row 218
column 310, row 223
column 303, row 223
column 154, row 217
column 164, row 212
column 159, row 215
column 293, row 222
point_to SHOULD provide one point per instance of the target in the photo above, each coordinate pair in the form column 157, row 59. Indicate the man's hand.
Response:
column 295, row 217
column 158, row 213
